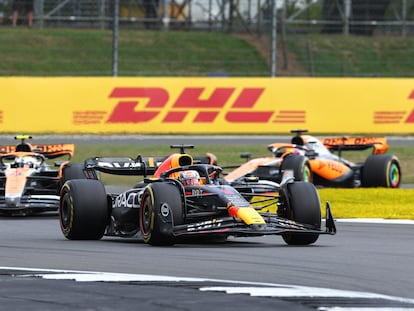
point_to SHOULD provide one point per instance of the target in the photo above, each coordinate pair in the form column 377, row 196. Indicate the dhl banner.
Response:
column 199, row 105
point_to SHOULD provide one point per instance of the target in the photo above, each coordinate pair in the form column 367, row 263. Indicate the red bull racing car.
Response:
column 28, row 182
column 181, row 199
column 320, row 161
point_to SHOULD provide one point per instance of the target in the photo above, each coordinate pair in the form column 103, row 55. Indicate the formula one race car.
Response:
column 28, row 183
column 314, row 160
column 183, row 200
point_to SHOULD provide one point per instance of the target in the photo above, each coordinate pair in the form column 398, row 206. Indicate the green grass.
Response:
column 54, row 52
column 69, row 52
column 370, row 203
column 88, row 52
column 339, row 55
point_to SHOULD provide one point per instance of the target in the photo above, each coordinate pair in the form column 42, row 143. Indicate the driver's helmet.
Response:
column 27, row 162
column 311, row 143
column 189, row 178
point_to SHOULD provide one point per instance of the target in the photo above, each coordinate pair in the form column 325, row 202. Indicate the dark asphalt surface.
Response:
column 24, row 293
column 370, row 259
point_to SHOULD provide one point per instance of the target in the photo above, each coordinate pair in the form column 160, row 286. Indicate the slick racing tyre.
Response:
column 83, row 209
column 300, row 167
column 305, row 208
column 72, row 171
column 161, row 209
column 381, row 170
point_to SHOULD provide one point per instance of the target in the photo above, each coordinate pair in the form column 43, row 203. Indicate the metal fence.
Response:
column 328, row 16
column 279, row 28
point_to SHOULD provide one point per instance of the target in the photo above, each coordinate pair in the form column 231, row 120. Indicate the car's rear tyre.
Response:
column 304, row 207
column 381, row 170
column 300, row 167
column 72, row 171
column 83, row 209
column 161, row 208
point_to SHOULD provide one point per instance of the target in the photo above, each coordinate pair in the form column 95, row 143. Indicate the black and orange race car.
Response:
column 320, row 161
column 29, row 183
column 179, row 200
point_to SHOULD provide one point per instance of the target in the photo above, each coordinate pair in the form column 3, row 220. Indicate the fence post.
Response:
column 39, row 12
column 404, row 18
column 273, row 52
column 347, row 15
column 210, row 19
column 115, row 30
column 101, row 11
column 259, row 19
column 165, row 18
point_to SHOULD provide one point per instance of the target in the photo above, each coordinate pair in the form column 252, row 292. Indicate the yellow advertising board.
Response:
column 199, row 105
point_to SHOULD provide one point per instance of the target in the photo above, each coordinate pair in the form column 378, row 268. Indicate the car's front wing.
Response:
column 29, row 204
column 274, row 225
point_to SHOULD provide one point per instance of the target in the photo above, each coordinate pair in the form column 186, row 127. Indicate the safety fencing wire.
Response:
column 263, row 38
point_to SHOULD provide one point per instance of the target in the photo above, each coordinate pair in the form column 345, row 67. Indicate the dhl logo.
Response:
column 190, row 98
column 144, row 104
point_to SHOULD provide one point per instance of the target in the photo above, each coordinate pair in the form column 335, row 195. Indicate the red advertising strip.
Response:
column 290, row 116
column 388, row 116
column 88, row 117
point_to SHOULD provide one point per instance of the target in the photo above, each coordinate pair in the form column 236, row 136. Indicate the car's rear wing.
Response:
column 49, row 151
column 379, row 144
column 141, row 166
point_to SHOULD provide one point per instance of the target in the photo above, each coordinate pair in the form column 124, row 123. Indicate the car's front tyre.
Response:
column 161, row 209
column 304, row 207
column 83, row 209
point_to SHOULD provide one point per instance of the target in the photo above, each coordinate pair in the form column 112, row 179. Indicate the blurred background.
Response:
column 333, row 38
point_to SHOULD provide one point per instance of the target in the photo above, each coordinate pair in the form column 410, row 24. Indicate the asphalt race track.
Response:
column 369, row 260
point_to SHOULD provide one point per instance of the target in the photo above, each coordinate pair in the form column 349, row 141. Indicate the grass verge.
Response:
column 88, row 52
column 369, row 203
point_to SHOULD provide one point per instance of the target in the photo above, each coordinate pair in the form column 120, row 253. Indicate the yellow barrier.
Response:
column 206, row 105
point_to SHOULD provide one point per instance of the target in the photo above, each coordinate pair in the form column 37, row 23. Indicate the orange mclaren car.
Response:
column 320, row 160
column 28, row 182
